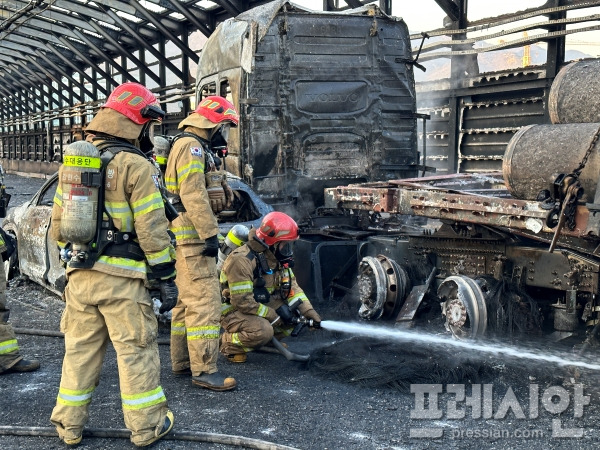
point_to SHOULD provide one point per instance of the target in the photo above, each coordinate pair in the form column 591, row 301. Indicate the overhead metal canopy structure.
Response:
column 58, row 53
column 60, row 58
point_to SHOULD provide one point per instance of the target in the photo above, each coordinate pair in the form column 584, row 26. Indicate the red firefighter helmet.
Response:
column 275, row 227
column 136, row 102
column 217, row 110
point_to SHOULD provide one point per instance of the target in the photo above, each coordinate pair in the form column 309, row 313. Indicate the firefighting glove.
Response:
column 168, row 295
column 286, row 315
column 216, row 192
column 211, row 247
column 311, row 314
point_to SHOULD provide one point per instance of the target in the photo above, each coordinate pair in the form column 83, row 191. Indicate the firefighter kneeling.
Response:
column 261, row 295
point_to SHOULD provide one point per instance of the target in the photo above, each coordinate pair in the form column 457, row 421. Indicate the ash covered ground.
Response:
column 354, row 393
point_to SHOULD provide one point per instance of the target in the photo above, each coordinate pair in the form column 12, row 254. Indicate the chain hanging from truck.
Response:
column 567, row 190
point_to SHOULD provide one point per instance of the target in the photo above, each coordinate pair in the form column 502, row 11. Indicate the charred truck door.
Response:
column 324, row 98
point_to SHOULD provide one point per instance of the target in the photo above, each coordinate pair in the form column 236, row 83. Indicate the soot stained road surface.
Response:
column 288, row 404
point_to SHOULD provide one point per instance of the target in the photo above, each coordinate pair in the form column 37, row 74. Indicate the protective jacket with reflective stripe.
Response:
column 134, row 202
column 239, row 277
column 184, row 176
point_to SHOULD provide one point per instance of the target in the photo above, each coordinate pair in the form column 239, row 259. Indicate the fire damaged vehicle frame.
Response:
column 37, row 256
column 461, row 253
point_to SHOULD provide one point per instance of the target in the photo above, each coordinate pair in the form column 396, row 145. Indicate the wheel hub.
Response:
column 456, row 313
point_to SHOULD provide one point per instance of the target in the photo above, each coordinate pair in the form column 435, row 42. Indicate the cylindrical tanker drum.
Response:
column 537, row 154
column 574, row 93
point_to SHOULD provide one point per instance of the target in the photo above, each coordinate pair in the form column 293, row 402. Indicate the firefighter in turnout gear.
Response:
column 261, row 296
column 195, row 319
column 107, row 295
column 10, row 358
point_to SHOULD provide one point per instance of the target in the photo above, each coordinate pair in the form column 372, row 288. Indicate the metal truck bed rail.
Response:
column 424, row 197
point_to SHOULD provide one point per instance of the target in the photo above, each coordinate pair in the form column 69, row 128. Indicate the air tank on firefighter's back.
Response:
column 537, row 154
column 79, row 199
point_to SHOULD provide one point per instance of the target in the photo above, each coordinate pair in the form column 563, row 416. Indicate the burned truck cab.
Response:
column 324, row 99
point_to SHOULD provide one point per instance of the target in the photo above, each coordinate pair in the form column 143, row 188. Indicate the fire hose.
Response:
column 194, row 436
column 279, row 348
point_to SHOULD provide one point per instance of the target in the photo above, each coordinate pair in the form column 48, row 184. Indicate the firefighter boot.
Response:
column 238, row 358
column 214, row 381
column 166, row 428
column 73, row 441
column 24, row 365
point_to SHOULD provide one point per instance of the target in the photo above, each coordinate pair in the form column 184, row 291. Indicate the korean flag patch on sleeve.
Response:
column 196, row 151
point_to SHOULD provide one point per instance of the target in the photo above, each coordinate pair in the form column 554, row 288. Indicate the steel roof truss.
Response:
column 157, row 23
column 54, row 78
column 89, row 62
column 12, row 100
column 178, row 73
column 65, row 31
column 79, row 70
column 124, row 53
column 22, row 50
column 195, row 20
column 231, row 6
column 112, row 62
column 124, row 7
column 69, row 77
column 25, row 88
column 450, row 7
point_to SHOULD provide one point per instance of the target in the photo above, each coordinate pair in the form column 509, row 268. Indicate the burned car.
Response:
column 37, row 255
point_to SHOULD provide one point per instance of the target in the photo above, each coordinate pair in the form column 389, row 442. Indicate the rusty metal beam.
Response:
column 444, row 205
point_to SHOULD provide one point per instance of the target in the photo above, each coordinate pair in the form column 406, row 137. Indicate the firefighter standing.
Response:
column 106, row 294
column 261, row 290
column 10, row 359
column 197, row 197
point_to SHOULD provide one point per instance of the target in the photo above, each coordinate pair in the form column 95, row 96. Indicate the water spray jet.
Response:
column 479, row 346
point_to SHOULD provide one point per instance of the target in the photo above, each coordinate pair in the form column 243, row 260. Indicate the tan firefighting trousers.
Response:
column 100, row 307
column 244, row 332
column 9, row 349
column 195, row 319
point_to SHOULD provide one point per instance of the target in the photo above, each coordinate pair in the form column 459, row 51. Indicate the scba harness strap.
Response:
column 261, row 294
column 109, row 241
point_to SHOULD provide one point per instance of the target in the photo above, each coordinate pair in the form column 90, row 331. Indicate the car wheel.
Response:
column 11, row 265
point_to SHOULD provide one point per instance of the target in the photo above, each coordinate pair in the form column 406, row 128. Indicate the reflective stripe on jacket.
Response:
column 184, row 176
column 135, row 205
column 238, row 276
